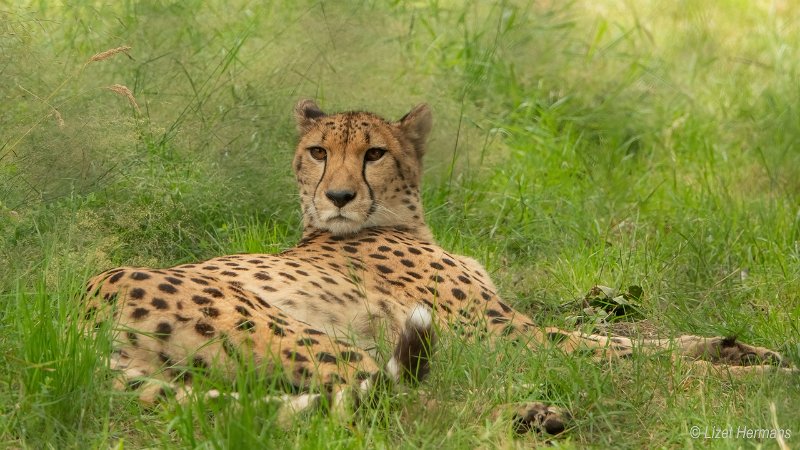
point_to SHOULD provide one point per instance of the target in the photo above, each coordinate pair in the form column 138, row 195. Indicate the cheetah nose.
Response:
column 340, row 198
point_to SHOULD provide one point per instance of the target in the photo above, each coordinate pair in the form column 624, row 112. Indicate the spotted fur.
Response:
column 367, row 269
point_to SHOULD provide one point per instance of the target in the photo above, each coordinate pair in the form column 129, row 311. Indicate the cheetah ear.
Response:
column 306, row 113
column 416, row 125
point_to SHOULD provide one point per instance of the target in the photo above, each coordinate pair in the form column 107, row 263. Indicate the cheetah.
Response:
column 367, row 270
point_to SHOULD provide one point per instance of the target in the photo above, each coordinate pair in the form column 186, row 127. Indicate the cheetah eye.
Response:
column 318, row 153
column 374, row 154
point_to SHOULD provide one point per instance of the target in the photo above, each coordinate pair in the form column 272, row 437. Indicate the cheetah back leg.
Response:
column 707, row 353
column 722, row 354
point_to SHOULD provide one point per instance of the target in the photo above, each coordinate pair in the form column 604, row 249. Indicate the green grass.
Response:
column 649, row 143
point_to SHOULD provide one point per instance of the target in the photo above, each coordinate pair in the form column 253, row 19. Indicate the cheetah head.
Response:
column 356, row 170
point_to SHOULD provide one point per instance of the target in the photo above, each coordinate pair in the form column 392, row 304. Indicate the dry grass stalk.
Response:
column 59, row 119
column 778, row 431
column 109, row 53
column 122, row 90
column 55, row 113
column 125, row 92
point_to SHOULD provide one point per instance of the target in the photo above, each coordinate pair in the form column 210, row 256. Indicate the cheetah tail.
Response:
column 411, row 359
column 410, row 362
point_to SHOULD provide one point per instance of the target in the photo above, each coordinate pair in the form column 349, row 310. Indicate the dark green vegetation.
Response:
column 653, row 144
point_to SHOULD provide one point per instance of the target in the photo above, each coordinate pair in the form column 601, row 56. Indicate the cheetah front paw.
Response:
column 538, row 417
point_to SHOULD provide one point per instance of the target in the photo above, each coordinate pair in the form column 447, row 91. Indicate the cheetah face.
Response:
column 356, row 170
